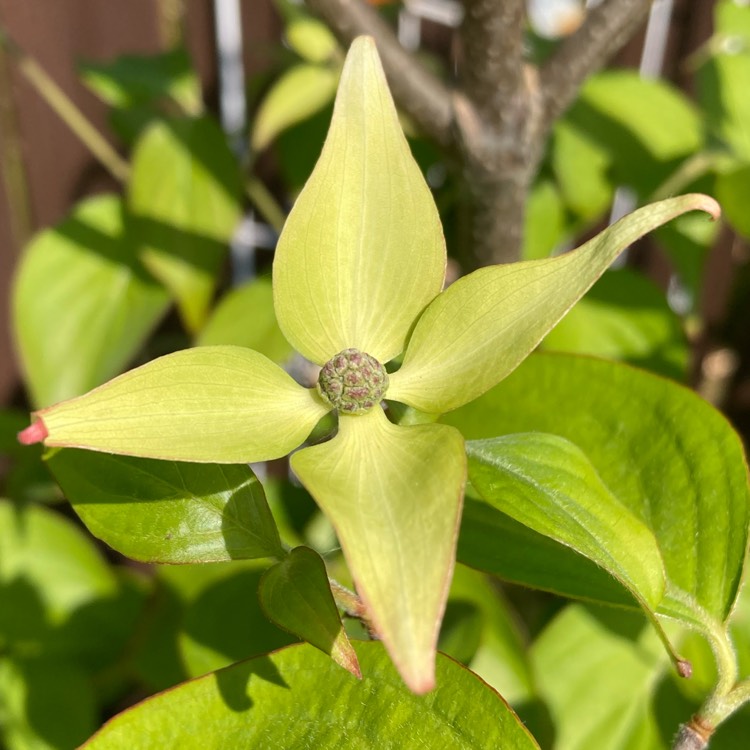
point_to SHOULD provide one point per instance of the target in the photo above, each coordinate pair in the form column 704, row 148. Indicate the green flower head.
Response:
column 357, row 281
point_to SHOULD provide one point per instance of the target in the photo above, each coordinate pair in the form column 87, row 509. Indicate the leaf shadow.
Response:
column 235, row 682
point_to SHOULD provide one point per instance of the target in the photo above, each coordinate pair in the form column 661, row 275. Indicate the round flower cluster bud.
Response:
column 353, row 382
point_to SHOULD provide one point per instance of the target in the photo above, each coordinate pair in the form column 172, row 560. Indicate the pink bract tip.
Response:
column 34, row 433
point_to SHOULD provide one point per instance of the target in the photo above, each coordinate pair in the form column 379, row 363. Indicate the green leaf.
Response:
column 224, row 621
column 164, row 511
column 311, row 39
column 47, row 704
column 185, row 196
column 301, row 91
column 297, row 698
column 657, row 114
column 481, row 328
column 545, row 221
column 530, row 559
column 500, row 656
column 548, row 484
column 245, row 317
column 624, row 316
column 722, row 87
column 733, row 191
column 596, row 670
column 296, row 595
column 82, row 303
column 362, row 251
column 581, row 166
column 48, row 570
column 213, row 404
column 135, row 79
column 666, row 455
column 394, row 496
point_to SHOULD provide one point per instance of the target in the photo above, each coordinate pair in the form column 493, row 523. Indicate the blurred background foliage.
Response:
column 166, row 242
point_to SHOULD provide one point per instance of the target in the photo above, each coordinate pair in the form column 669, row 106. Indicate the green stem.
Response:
column 68, row 112
column 263, row 200
column 688, row 172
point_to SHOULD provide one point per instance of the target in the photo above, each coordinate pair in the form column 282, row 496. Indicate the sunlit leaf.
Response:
column 82, row 303
column 624, row 316
column 733, row 191
column 597, row 670
column 548, row 484
column 245, row 317
column 299, row 698
column 296, row 595
column 164, row 511
column 185, row 198
column 224, row 621
column 362, row 251
column 545, row 221
column 393, row 495
column 311, row 39
column 301, row 92
column 47, row 704
column 134, row 79
column 484, row 325
column 213, row 404
column 661, row 450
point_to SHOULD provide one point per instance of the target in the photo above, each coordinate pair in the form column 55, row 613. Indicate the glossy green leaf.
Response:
column 484, row 325
column 300, row 92
column 311, row 39
column 394, row 496
column 662, row 118
column 297, row 698
column 245, row 317
column 548, row 484
column 362, row 251
column 82, row 303
column 661, row 450
column 494, row 542
column 46, row 704
column 296, row 595
column 185, row 196
column 733, row 191
column 217, row 404
column 597, row 670
column 134, row 79
column 624, row 316
column 164, row 511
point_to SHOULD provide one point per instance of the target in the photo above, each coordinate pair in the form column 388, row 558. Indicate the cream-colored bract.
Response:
column 362, row 252
column 394, row 496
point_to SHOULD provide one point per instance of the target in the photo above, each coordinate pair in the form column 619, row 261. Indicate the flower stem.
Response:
column 68, row 112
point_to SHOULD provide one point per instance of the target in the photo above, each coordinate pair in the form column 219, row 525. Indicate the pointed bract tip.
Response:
column 36, row 432
column 421, row 684
column 709, row 205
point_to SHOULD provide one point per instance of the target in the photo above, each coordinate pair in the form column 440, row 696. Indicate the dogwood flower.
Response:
column 357, row 282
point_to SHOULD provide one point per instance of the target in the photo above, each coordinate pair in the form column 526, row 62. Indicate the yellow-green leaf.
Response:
column 485, row 324
column 301, row 92
column 394, row 496
column 295, row 594
column 362, row 252
column 185, row 196
column 218, row 404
